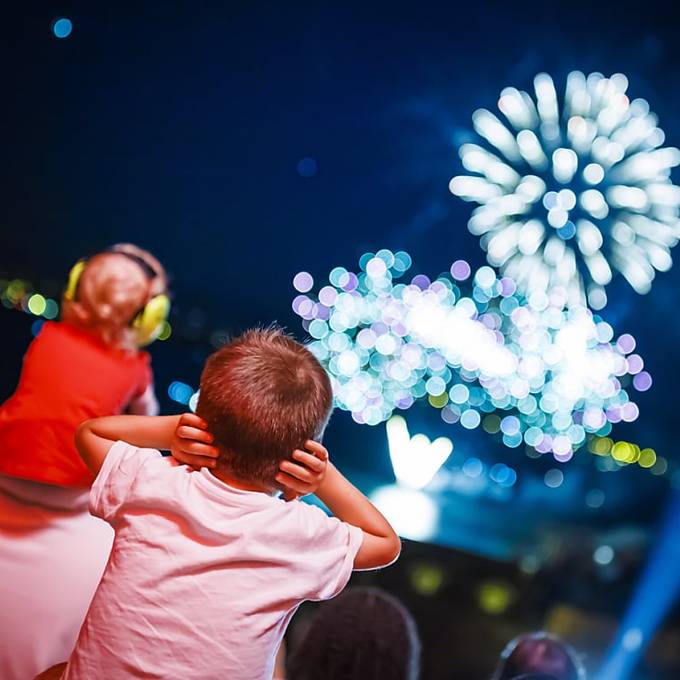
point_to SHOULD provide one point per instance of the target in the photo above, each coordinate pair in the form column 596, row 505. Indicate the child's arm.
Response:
column 381, row 545
column 180, row 434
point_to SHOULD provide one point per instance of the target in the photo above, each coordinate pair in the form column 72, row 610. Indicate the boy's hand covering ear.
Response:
column 191, row 443
column 305, row 472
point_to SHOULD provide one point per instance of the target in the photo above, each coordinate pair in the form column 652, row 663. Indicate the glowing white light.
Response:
column 593, row 173
column 592, row 201
column 348, row 363
column 412, row 513
column 489, row 127
column 557, row 217
column 565, row 162
column 599, row 138
column 531, row 150
column 416, row 459
column 553, row 369
column 376, row 268
column 566, row 199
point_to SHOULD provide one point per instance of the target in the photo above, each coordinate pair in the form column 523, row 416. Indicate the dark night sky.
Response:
column 179, row 126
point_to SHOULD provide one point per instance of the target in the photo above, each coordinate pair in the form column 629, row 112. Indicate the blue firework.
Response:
column 572, row 189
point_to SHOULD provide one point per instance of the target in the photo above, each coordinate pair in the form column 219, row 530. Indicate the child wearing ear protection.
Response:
column 89, row 364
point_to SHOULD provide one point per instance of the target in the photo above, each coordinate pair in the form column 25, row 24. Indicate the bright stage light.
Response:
column 413, row 514
column 415, row 460
column 567, row 197
column 553, row 373
column 654, row 596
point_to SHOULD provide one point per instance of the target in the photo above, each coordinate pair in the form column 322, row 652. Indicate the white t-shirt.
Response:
column 203, row 578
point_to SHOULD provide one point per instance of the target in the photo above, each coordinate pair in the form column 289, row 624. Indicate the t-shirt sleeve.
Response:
column 329, row 549
column 116, row 478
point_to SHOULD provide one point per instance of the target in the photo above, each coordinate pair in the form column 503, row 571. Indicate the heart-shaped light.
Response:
column 415, row 460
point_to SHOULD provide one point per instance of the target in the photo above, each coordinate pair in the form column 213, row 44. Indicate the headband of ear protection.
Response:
column 149, row 321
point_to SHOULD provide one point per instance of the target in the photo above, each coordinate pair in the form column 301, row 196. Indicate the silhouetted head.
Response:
column 539, row 656
column 363, row 634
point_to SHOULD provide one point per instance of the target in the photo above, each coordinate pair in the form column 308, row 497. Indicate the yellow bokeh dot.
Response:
column 426, row 579
column 15, row 290
column 601, row 446
column 625, row 452
column 37, row 304
column 495, row 597
column 438, row 401
column 647, row 458
column 635, row 455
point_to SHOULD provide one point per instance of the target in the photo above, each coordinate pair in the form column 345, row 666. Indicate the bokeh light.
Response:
column 307, row 167
column 166, row 331
column 415, row 460
column 569, row 196
column 624, row 453
column 62, row 27
column 603, row 555
column 531, row 370
column 37, row 304
column 180, row 392
column 412, row 513
column 554, row 478
column 495, row 597
column 426, row 578
column 21, row 295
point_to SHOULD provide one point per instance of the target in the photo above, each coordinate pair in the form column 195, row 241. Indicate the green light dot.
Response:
column 647, row 458
column 37, row 304
column 491, row 424
column 166, row 332
column 438, row 401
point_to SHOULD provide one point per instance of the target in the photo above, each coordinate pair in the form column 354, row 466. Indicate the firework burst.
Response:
column 572, row 188
column 535, row 372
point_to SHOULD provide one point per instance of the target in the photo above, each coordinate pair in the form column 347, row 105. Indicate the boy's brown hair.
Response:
column 263, row 395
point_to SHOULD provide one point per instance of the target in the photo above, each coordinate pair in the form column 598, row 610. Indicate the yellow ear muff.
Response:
column 73, row 279
column 149, row 322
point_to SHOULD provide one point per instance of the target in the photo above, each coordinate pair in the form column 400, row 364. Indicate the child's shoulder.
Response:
column 306, row 514
column 124, row 457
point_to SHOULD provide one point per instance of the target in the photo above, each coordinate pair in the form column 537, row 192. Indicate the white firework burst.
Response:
column 566, row 198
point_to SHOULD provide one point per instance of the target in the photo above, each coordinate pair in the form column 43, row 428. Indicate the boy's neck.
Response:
column 226, row 477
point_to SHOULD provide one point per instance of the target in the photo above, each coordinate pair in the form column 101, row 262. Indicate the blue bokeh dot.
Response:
column 62, row 27
column 307, row 167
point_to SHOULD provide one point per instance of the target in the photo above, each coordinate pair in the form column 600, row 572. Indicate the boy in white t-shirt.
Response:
column 208, row 565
